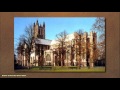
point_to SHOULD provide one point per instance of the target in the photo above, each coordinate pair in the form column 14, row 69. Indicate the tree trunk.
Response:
column 61, row 60
column 29, row 60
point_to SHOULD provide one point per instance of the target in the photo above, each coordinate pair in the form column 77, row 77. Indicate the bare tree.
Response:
column 78, row 38
column 61, row 37
column 26, row 39
column 99, row 26
column 20, row 46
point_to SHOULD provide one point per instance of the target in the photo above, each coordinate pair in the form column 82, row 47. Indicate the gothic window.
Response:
column 48, row 58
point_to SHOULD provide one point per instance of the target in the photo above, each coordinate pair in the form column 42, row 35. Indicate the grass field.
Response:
column 62, row 69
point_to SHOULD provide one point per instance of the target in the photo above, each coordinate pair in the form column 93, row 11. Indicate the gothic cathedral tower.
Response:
column 39, row 30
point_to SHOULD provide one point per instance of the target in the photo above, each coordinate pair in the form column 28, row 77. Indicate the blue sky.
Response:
column 54, row 25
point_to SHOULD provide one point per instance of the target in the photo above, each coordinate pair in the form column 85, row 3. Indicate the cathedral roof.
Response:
column 43, row 41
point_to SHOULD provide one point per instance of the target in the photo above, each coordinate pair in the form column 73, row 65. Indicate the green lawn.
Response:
column 63, row 69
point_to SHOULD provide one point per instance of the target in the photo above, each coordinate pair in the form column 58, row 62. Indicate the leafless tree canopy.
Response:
column 26, row 38
column 22, row 39
column 61, row 39
column 62, row 36
column 28, row 34
column 99, row 26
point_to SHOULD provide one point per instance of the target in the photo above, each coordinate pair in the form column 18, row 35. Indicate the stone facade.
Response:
column 79, row 49
column 76, row 51
column 37, row 48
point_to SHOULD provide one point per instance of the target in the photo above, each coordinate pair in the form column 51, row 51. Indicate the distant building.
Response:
column 78, row 49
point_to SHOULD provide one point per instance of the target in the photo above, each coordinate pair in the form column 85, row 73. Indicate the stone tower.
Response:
column 39, row 30
column 85, row 36
column 93, row 46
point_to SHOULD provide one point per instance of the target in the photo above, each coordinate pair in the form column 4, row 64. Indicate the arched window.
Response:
column 48, row 58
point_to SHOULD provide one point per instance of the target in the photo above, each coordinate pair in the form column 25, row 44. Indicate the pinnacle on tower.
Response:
column 34, row 24
column 37, row 22
column 43, row 24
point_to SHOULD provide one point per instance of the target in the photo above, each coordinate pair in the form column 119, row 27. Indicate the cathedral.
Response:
column 78, row 49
